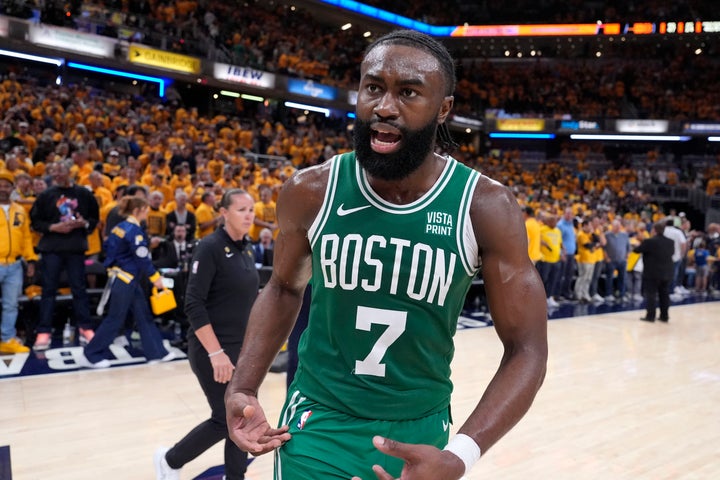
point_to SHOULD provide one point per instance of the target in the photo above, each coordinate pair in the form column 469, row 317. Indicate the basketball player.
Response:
column 393, row 234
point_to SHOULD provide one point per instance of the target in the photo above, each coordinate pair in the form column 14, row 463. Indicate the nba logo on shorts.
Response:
column 303, row 419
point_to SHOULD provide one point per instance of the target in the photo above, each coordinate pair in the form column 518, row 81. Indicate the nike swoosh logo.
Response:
column 446, row 425
column 342, row 211
column 228, row 255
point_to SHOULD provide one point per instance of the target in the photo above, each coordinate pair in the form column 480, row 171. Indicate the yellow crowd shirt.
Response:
column 550, row 244
column 533, row 234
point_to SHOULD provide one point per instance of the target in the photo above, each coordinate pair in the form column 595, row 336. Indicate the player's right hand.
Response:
column 249, row 428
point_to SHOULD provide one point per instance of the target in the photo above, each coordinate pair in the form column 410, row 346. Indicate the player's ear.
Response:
column 445, row 108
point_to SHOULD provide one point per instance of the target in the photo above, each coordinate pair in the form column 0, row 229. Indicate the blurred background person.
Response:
column 180, row 214
column 264, row 249
column 550, row 264
column 617, row 248
column 15, row 248
column 265, row 213
column 128, row 258
column 569, row 248
column 64, row 214
column 657, row 253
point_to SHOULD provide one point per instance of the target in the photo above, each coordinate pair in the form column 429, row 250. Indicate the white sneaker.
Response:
column 121, row 341
column 597, row 298
column 162, row 469
column 676, row 297
column 84, row 362
column 637, row 297
column 170, row 356
column 552, row 303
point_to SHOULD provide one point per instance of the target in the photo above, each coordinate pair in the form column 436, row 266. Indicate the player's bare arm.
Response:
column 516, row 299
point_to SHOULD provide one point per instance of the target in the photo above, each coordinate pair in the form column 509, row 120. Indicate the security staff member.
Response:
column 15, row 246
column 221, row 289
column 128, row 257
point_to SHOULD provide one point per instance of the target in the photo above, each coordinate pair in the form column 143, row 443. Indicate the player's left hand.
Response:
column 422, row 462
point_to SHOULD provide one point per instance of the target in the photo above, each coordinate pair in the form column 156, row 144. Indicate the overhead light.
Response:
column 713, row 139
column 34, row 58
column 347, row 26
column 367, row 34
column 120, row 73
column 253, row 98
column 654, row 138
column 312, row 108
column 527, row 136
column 228, row 93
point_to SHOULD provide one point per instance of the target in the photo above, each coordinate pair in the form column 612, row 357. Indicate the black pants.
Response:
column 214, row 429
column 51, row 267
column 654, row 289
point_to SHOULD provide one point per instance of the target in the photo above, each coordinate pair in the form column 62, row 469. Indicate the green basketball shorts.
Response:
column 328, row 444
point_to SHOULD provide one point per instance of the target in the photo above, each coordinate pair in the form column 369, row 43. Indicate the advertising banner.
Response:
column 243, row 75
column 71, row 40
column 162, row 59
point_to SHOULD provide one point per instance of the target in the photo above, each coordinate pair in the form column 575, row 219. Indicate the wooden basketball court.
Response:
column 623, row 400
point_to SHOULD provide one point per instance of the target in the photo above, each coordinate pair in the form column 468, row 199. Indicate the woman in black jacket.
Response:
column 222, row 287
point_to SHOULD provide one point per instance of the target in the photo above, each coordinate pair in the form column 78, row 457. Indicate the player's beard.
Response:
column 416, row 145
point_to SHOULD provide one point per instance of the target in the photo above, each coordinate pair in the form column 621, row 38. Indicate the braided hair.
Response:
column 415, row 39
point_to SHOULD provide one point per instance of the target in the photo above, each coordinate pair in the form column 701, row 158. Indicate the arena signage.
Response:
column 520, row 124
column 642, row 126
column 63, row 359
column 71, row 40
column 164, row 60
column 311, row 89
column 713, row 128
column 4, row 26
column 244, row 75
column 578, row 125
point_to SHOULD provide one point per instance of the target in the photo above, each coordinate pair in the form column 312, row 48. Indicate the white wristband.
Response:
column 215, row 353
column 464, row 447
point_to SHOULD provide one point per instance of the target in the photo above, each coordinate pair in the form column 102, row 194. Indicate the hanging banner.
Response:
column 520, row 124
column 162, row 59
column 71, row 40
column 244, row 75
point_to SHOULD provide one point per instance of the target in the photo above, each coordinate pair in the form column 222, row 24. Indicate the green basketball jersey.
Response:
column 388, row 284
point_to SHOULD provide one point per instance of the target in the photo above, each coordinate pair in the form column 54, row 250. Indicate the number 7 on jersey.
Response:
column 365, row 318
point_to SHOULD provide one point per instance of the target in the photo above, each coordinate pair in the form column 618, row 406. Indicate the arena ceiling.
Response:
column 515, row 47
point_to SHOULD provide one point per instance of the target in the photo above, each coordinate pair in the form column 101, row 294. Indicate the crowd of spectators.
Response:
column 185, row 160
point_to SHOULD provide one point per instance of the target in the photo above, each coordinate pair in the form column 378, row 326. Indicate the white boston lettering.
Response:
column 374, row 263
column 351, row 252
column 328, row 259
column 419, row 271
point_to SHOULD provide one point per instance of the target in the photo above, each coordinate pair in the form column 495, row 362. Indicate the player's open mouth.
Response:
column 385, row 140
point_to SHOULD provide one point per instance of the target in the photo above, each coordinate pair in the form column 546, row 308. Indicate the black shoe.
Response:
column 666, row 320
column 645, row 319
